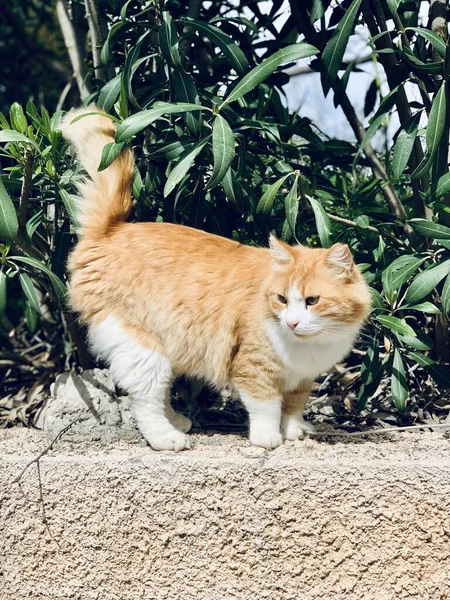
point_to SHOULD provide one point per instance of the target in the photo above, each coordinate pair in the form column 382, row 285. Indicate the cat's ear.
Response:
column 280, row 251
column 340, row 258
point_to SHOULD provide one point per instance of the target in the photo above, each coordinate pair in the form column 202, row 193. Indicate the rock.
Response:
column 88, row 399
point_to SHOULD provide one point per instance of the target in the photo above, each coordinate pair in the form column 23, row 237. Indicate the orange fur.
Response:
column 202, row 301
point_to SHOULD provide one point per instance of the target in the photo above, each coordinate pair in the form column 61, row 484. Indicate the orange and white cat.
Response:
column 163, row 300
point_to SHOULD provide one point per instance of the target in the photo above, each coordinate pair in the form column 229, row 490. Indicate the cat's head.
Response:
column 316, row 293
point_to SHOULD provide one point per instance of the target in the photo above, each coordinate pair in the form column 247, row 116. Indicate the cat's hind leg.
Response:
column 146, row 375
column 177, row 419
column 293, row 425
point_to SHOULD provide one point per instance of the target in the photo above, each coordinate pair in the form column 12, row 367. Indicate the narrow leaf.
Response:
column 322, row 223
column 183, row 165
column 168, row 41
column 291, row 206
column 335, row 48
column 399, row 384
column 265, row 204
column 445, row 296
column 442, row 188
column 223, row 150
column 109, row 94
column 399, row 271
column 395, row 324
column 436, row 122
column 9, row 135
column 142, row 119
column 58, row 285
column 426, row 307
column 435, row 40
column 185, row 91
column 430, row 229
column 8, row 217
column 439, row 374
column 3, row 297
column 268, row 66
column 426, row 281
column 230, row 50
column 404, row 145
column 29, row 291
column 109, row 154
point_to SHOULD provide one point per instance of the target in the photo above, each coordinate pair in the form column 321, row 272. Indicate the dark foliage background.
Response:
column 197, row 89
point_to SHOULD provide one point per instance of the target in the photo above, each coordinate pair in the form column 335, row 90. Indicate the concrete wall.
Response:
column 311, row 520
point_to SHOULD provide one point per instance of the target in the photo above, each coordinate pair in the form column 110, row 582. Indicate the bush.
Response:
column 199, row 96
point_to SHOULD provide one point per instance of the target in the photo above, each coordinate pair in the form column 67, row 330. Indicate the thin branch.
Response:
column 64, row 94
column 355, row 225
column 305, row 69
column 25, row 191
column 377, row 431
column 73, row 48
column 96, row 39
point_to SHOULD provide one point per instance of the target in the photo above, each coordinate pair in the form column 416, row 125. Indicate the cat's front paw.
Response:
column 266, row 439
column 293, row 429
column 171, row 440
column 181, row 422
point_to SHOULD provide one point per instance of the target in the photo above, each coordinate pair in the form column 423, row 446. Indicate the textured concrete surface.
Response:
column 354, row 520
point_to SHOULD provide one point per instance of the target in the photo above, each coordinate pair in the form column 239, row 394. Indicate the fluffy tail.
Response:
column 106, row 197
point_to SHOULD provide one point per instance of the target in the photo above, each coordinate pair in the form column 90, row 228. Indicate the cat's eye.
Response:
column 282, row 299
column 311, row 300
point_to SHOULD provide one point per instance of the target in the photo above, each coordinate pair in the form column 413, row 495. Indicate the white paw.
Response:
column 181, row 422
column 293, row 429
column 266, row 439
column 171, row 440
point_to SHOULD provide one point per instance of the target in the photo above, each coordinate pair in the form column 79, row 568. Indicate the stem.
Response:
column 73, row 48
column 355, row 225
column 96, row 39
column 25, row 191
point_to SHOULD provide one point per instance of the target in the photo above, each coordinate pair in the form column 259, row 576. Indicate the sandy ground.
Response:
column 357, row 519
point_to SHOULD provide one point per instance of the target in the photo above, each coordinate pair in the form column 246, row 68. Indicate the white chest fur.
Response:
column 305, row 360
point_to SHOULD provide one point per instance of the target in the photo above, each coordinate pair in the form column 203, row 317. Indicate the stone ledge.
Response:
column 356, row 520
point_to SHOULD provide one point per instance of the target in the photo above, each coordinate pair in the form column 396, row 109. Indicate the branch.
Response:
column 305, row 69
column 73, row 48
column 355, row 225
column 96, row 38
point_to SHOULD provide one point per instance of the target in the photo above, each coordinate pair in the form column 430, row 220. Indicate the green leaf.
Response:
column 399, row 271
column 445, row 296
column 183, row 165
column 31, row 317
column 168, row 41
column 395, row 324
column 109, row 94
column 142, row 119
column 33, row 224
column 185, row 91
column 435, row 40
column 267, row 67
column 426, row 281
column 3, row 297
column 291, row 206
column 426, row 307
column 404, row 145
column 230, row 50
column 71, row 202
column 109, row 154
column 430, row 229
column 232, row 189
column 385, row 107
column 322, row 223
column 424, row 166
column 223, row 150
column 29, row 291
column 106, row 53
column 442, row 188
column 9, row 135
column 421, row 342
column 266, row 201
column 436, row 121
column 8, row 218
column 58, row 285
column 439, row 374
column 399, row 384
column 18, row 118
column 377, row 300
column 335, row 48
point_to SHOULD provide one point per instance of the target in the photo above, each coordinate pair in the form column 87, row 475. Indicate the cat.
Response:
column 163, row 300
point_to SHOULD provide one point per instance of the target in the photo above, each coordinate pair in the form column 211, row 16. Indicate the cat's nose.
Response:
column 292, row 324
